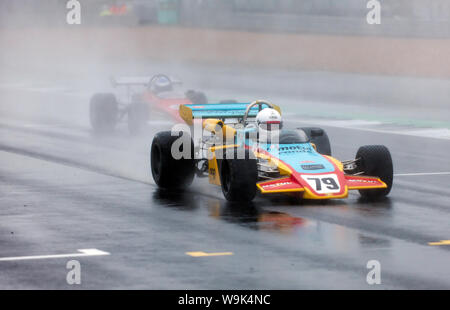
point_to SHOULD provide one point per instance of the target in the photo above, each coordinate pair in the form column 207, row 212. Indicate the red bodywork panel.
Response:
column 169, row 106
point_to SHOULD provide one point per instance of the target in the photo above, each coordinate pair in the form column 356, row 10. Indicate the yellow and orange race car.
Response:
column 230, row 153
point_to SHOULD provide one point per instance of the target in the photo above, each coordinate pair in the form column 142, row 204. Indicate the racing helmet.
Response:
column 269, row 119
column 162, row 84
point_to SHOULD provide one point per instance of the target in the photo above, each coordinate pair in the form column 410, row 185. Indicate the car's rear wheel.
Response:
column 238, row 178
column 319, row 137
column 103, row 112
column 196, row 97
column 376, row 160
column 167, row 171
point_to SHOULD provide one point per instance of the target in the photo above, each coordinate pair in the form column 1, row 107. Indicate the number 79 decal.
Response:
column 323, row 184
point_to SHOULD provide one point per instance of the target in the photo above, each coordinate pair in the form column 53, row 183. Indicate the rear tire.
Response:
column 238, row 178
column 168, row 172
column 196, row 97
column 376, row 160
column 322, row 142
column 103, row 112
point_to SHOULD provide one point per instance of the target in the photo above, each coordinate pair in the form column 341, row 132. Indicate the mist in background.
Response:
column 214, row 44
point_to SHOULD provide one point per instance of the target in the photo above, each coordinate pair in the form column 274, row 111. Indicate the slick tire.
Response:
column 376, row 160
column 321, row 142
column 168, row 172
column 238, row 178
column 196, row 97
column 103, row 112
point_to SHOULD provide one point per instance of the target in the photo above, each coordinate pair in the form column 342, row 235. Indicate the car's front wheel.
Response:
column 103, row 112
column 172, row 159
column 238, row 178
column 376, row 160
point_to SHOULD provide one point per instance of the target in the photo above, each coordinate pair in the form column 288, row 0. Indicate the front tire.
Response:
column 376, row 160
column 238, row 178
column 168, row 172
column 103, row 112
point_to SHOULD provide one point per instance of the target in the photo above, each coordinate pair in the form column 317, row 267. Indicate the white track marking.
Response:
column 435, row 133
column 420, row 174
column 83, row 253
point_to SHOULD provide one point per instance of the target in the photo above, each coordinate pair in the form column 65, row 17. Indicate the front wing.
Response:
column 291, row 185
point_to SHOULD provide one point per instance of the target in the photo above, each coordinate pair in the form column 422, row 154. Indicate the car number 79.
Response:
column 323, row 184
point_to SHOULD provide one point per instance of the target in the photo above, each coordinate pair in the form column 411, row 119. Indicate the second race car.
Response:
column 143, row 96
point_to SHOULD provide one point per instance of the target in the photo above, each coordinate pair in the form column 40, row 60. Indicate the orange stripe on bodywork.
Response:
column 363, row 182
column 282, row 185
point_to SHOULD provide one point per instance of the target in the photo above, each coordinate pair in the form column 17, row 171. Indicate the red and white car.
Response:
column 144, row 97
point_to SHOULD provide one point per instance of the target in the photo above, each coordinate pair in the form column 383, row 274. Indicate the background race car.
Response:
column 143, row 97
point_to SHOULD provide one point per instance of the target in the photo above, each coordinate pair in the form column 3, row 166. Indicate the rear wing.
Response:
column 223, row 111
column 137, row 80
column 130, row 81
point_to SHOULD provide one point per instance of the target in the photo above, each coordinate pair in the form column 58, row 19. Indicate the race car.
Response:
column 233, row 155
column 143, row 96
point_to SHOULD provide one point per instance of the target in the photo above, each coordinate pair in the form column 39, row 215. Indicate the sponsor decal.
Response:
column 363, row 181
column 313, row 167
column 296, row 149
column 276, row 184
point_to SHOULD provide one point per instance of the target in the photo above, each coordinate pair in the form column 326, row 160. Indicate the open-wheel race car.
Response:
column 142, row 96
column 235, row 151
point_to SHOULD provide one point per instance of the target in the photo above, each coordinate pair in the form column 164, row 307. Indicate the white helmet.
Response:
column 162, row 84
column 269, row 119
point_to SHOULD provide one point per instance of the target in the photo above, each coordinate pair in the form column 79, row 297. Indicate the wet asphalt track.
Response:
column 64, row 189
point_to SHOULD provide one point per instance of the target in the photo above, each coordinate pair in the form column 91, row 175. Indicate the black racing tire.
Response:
column 321, row 142
column 168, row 172
column 196, row 97
column 103, row 112
column 376, row 160
column 238, row 178
column 138, row 116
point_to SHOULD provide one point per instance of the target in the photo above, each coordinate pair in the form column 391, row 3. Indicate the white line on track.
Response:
column 435, row 133
column 421, row 174
column 83, row 253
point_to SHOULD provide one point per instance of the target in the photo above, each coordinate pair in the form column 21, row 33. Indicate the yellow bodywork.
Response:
column 218, row 128
column 213, row 167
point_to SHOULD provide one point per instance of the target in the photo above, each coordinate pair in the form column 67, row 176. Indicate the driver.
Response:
column 269, row 124
column 162, row 84
column 269, row 120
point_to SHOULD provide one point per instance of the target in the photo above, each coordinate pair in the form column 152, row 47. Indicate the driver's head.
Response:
column 162, row 84
column 269, row 120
